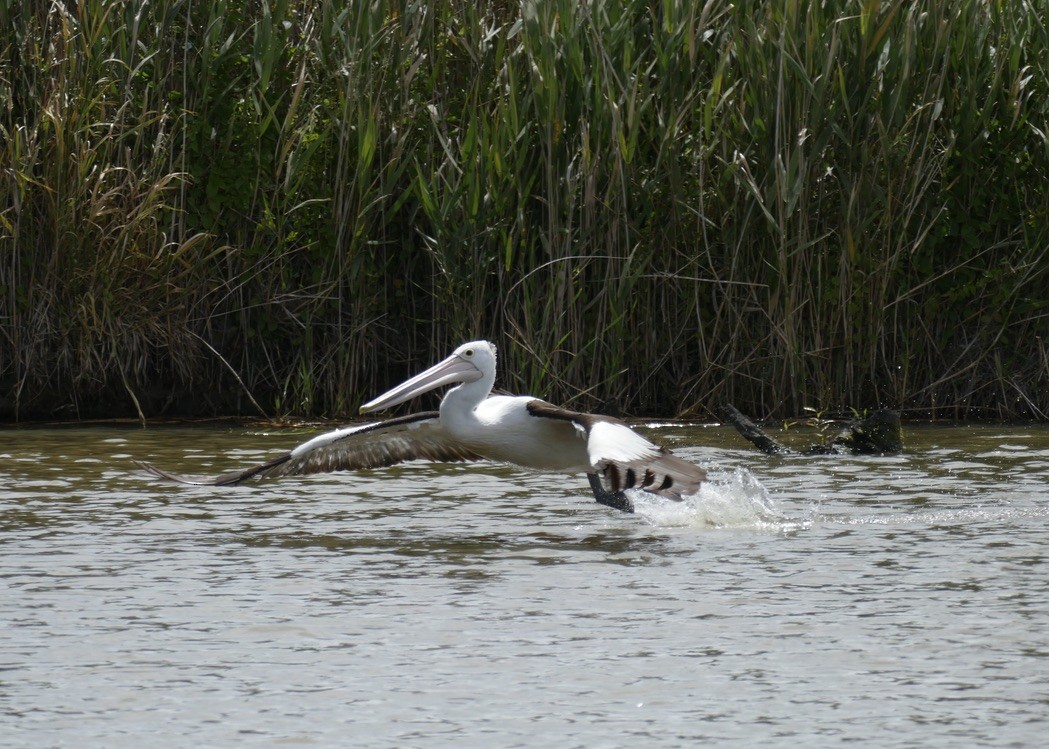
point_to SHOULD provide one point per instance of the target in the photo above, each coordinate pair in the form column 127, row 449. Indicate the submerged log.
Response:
column 880, row 433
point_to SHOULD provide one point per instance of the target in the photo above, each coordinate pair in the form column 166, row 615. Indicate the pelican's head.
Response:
column 479, row 353
column 468, row 363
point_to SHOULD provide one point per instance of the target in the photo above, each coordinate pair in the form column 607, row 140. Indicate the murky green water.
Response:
column 902, row 601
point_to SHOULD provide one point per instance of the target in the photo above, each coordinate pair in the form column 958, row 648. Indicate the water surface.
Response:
column 901, row 601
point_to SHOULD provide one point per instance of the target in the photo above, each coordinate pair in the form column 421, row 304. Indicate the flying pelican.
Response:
column 472, row 424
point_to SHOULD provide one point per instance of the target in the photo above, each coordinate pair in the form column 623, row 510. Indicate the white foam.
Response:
column 729, row 500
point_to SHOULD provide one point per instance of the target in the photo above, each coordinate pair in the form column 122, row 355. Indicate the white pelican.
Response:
column 473, row 424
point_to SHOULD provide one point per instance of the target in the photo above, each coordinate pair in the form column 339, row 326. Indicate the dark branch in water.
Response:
column 877, row 434
column 752, row 432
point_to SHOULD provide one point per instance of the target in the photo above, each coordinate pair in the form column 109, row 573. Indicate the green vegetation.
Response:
column 653, row 207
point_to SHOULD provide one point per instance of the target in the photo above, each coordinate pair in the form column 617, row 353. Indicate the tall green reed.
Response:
column 652, row 207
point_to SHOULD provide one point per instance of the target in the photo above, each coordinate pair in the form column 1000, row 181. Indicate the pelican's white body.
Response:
column 500, row 428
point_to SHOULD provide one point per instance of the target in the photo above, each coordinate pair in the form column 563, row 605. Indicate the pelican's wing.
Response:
column 626, row 459
column 415, row 437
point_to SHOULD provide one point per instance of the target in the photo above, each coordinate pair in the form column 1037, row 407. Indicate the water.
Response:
column 893, row 601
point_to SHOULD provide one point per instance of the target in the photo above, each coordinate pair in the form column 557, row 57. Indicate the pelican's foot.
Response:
column 615, row 500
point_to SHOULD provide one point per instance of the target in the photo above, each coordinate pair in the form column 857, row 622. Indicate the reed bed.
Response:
column 652, row 207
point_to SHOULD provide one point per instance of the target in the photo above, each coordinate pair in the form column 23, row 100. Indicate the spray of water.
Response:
column 728, row 500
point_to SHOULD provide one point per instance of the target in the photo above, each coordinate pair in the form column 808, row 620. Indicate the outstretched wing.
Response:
column 624, row 458
column 415, row 437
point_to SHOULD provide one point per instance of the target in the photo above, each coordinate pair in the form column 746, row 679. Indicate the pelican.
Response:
column 472, row 424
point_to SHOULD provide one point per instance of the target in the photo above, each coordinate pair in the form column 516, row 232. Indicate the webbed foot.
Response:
column 615, row 500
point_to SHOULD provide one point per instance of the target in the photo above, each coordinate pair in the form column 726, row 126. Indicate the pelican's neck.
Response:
column 457, row 407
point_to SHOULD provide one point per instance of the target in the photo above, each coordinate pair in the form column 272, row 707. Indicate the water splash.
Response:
column 729, row 500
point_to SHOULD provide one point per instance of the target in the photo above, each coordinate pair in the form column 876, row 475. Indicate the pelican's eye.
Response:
column 468, row 352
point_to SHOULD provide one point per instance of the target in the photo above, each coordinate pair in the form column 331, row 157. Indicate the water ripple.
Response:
column 899, row 601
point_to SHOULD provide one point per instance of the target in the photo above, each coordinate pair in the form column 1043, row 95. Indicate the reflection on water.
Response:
column 900, row 600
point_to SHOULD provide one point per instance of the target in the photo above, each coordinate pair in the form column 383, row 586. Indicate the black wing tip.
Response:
column 152, row 470
column 669, row 477
column 232, row 478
